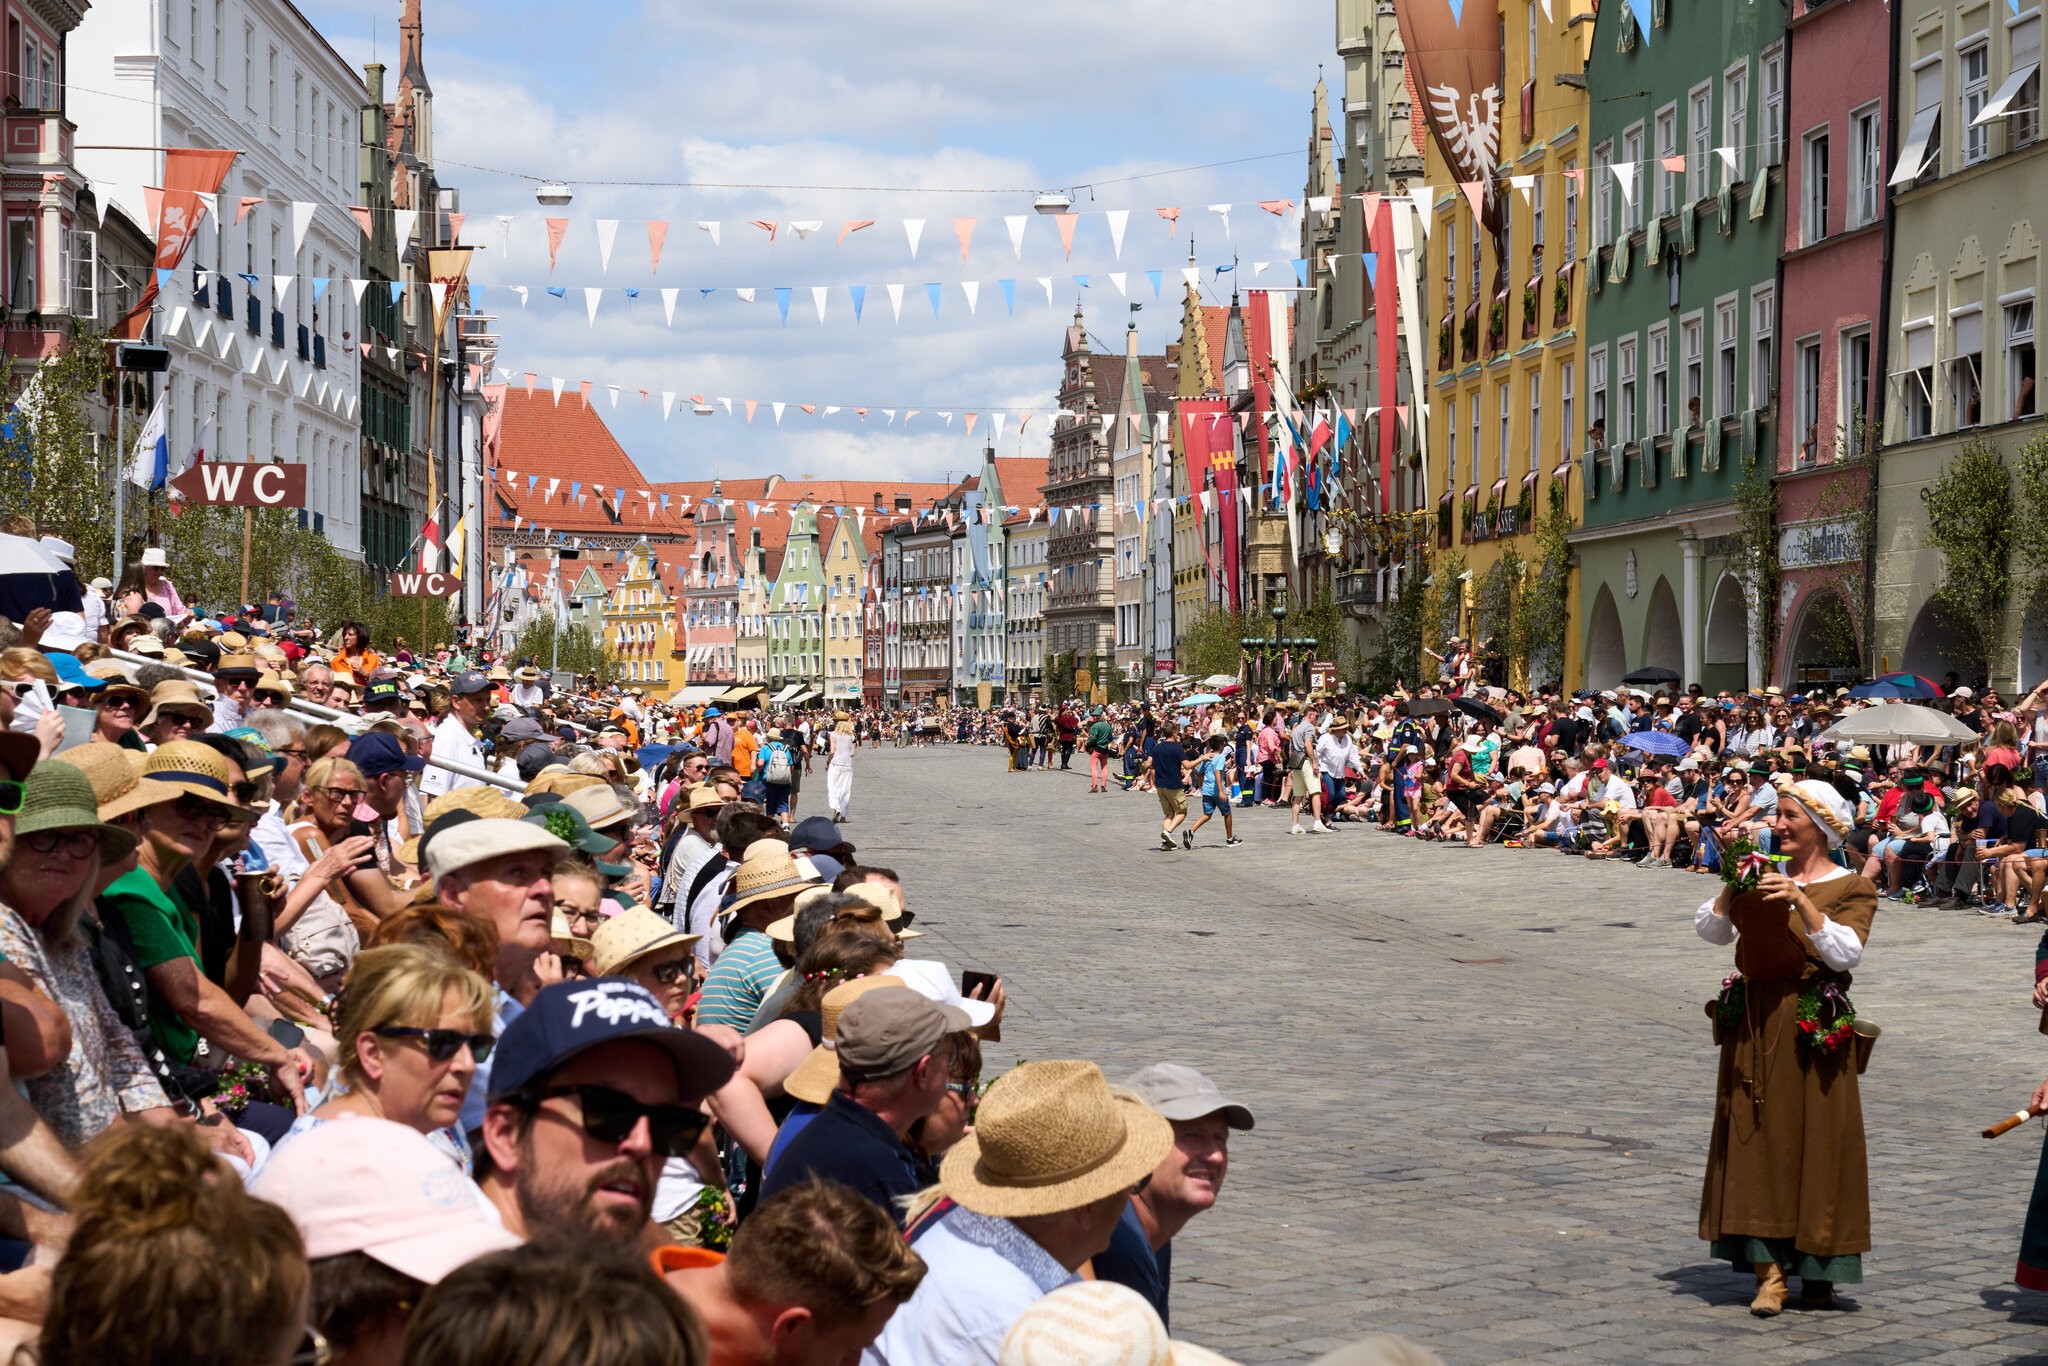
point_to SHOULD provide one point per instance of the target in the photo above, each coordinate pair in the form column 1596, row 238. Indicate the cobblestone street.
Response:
column 1483, row 1079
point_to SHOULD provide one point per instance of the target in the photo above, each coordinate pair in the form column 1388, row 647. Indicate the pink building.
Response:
column 1831, row 358
column 707, row 608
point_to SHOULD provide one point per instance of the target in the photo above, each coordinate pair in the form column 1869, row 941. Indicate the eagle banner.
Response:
column 1454, row 51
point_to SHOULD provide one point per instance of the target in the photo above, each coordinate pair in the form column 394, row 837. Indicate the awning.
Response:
column 1529, row 479
column 787, row 695
column 2005, row 95
column 804, row 698
column 697, row 695
column 1564, row 470
column 1914, row 157
column 1499, row 490
column 733, row 697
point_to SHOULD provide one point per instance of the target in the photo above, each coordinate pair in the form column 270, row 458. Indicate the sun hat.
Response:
column 239, row 665
column 1179, row 1092
column 180, row 768
column 600, row 807
column 817, row 1076
column 566, row 823
column 480, row 800
column 499, row 674
column 631, row 935
column 153, row 558
column 884, row 1032
column 816, row 834
column 380, row 1188
column 571, row 1017
column 767, row 870
column 275, row 682
column 102, row 584
column 704, row 797
column 1380, row 1349
column 146, row 643
column 113, row 772
column 66, row 631
column 1052, row 1136
column 559, row 782
column 529, row 674
column 932, row 980
column 60, row 797
column 1096, row 1323
column 522, row 728
column 475, row 841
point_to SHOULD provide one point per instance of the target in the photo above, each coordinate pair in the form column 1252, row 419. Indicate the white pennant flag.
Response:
column 778, row 407
column 668, row 403
column 280, row 285
column 727, row 404
column 1118, row 219
column 1625, row 181
column 818, row 301
column 1320, row 203
column 302, row 220
column 439, row 289
column 1259, row 268
column 913, row 228
column 613, row 390
column 896, row 301
column 1731, row 158
column 1191, row 274
column 520, row 290
column 405, row 220
column 1117, row 277
column 1223, row 211
column 557, row 382
column 746, row 296
column 668, row 305
column 1016, row 224
column 591, row 295
column 607, row 233
column 1524, row 183
column 356, row 287
column 711, row 227
column 972, row 289
column 997, row 418
column 1423, row 199
column 1046, row 280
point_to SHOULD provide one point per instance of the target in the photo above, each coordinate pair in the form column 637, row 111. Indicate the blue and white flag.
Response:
column 149, row 464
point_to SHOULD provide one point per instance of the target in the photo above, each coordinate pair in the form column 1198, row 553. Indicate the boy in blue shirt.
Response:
column 1213, row 770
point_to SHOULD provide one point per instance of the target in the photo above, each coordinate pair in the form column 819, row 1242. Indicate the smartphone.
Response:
column 971, row 981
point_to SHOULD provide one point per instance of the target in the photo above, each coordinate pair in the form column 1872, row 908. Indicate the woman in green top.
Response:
column 183, row 797
column 1100, row 738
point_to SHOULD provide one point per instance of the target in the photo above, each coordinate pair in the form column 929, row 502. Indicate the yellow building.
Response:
column 1507, row 408
column 640, row 625
column 1195, row 588
column 846, row 563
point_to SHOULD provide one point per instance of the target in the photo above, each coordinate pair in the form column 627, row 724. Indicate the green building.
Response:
column 1681, row 332
column 796, row 611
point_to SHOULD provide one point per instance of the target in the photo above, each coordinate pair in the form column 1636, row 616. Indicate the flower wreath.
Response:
column 1827, row 1020
column 1743, row 864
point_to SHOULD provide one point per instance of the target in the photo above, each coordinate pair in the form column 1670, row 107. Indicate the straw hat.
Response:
column 176, row 692
column 112, row 771
column 178, row 769
column 60, row 797
column 1096, row 1323
column 271, row 682
column 817, row 1076
column 481, row 799
column 1052, row 1136
column 561, row 782
column 704, row 797
column 564, row 941
column 783, row 931
column 631, row 935
column 767, row 870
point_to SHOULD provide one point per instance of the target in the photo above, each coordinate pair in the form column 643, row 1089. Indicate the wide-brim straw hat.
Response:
column 631, row 935
column 1097, row 1323
column 769, row 870
column 178, row 769
column 704, row 797
column 817, row 1076
column 487, row 802
column 565, row 942
column 113, row 772
column 1053, row 1136
column 60, row 797
column 176, row 692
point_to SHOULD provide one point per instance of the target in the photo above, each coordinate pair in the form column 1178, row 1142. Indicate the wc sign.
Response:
column 409, row 583
column 261, row 485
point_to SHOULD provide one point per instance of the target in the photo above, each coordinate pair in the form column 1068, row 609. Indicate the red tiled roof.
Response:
column 1022, row 478
column 570, row 444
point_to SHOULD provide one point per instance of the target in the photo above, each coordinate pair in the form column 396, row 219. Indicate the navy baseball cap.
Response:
column 376, row 693
column 377, row 754
column 571, row 1017
column 468, row 683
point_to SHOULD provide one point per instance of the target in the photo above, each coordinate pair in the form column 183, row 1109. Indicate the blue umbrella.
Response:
column 651, row 756
column 1912, row 685
column 1883, row 689
column 1657, row 742
column 1200, row 699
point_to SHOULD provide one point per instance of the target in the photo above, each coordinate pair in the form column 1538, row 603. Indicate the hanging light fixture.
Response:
column 553, row 193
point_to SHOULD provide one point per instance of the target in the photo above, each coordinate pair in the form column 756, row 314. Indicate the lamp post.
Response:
column 1279, row 618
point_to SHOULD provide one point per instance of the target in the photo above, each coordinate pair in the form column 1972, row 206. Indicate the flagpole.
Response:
column 120, row 469
column 248, row 535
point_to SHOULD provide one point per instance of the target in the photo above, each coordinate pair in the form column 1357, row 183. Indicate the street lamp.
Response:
column 1279, row 616
column 553, row 194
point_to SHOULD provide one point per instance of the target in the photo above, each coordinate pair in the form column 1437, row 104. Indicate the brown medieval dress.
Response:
column 1787, row 1177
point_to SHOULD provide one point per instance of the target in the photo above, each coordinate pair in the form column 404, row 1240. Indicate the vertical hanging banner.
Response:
column 1380, row 227
column 189, row 172
column 1455, row 49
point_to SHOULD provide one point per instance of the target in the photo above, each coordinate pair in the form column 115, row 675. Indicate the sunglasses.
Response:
column 121, row 702
column 610, row 1116
column 442, row 1044
column 10, row 797
column 184, row 719
column 190, row 808
column 338, row 791
column 668, row 974
column 22, row 688
column 76, row 843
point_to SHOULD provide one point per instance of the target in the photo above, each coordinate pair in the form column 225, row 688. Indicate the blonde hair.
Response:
column 21, row 660
column 325, row 771
column 403, row 985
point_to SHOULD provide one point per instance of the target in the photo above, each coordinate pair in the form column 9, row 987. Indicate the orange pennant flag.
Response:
column 1475, row 195
column 752, row 404
column 557, row 228
column 765, row 226
column 851, row 226
column 1024, row 422
column 1674, row 163
column 657, row 238
column 963, row 228
column 1277, row 207
column 1066, row 222
column 455, row 222
column 810, row 409
column 362, row 217
column 970, row 422
column 246, row 203
column 1172, row 217
column 585, row 386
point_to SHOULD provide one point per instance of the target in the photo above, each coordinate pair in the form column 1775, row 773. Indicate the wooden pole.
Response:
column 248, row 534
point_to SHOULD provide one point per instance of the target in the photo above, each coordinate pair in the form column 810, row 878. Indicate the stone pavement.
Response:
column 1483, row 1079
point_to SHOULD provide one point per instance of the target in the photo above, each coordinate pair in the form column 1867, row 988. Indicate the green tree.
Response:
column 1399, row 656
column 1541, row 626
column 1212, row 643
column 1059, row 676
column 582, row 650
column 50, row 467
column 1970, row 521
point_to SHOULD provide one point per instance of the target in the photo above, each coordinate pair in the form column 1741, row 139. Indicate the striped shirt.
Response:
column 739, row 981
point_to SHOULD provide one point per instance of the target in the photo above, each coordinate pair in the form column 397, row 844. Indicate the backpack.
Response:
column 777, row 769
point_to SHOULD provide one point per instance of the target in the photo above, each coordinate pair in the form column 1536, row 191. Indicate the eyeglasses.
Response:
column 315, row 1352
column 121, row 702
column 190, row 808
column 22, row 687
column 669, row 973
column 10, row 797
column 442, row 1044
column 299, row 754
column 338, row 791
column 610, row 1116
column 76, row 843
column 183, row 718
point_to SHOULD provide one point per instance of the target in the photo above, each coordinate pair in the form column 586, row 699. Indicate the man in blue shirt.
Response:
column 1186, row 1182
column 1214, row 773
column 1166, row 764
column 894, row 1063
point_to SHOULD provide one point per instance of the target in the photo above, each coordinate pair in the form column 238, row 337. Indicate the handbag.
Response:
column 323, row 940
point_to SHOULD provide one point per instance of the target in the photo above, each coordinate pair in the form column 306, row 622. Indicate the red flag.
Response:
column 1381, row 228
column 430, row 545
column 189, row 172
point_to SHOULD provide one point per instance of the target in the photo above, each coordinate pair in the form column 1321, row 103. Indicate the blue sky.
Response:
column 926, row 101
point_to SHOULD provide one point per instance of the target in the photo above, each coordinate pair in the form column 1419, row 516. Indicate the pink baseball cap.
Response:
column 372, row 1186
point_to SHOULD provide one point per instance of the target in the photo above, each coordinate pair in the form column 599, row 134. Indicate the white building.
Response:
column 1026, row 538
column 262, row 320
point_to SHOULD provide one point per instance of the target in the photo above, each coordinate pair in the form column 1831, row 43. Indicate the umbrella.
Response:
column 1230, row 689
column 1200, row 699
column 1880, row 689
column 32, row 577
column 651, row 757
column 1429, row 706
column 1912, row 685
column 1477, row 710
column 1218, row 681
column 1657, row 742
column 1900, row 722
column 1651, row 673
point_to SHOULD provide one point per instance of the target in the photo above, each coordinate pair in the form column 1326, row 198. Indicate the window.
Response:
column 2026, row 67
column 1632, row 155
column 1451, row 426
column 1701, row 131
column 1596, row 390
column 1474, row 257
column 1530, row 72
column 31, row 54
column 1692, row 355
column 1660, row 380
column 1536, row 237
column 1772, row 131
column 1667, row 146
column 1535, row 420
column 1866, row 160
column 1625, row 401
column 1966, row 370
column 1919, row 379
column 1814, row 174
column 21, row 265
column 1603, row 195
column 1565, row 410
column 1853, row 383
column 1503, row 406
column 1762, row 328
column 1735, row 119
column 1571, row 212
column 1806, row 399
column 1976, row 89
column 1475, row 438
column 1451, row 260
column 249, row 66
column 2019, row 357
column 1922, row 151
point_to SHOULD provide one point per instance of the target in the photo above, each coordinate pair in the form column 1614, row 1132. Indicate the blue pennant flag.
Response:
column 1301, row 271
column 1009, row 288
column 1635, row 11
column 1457, row 10
column 704, row 293
column 1153, row 276
column 1372, row 269
column 1221, row 269
column 1081, row 280
column 575, row 488
column 632, row 293
column 860, row 297
column 782, row 302
column 531, row 480
column 932, row 292
column 163, row 277
column 319, row 287
column 397, row 289
column 556, row 290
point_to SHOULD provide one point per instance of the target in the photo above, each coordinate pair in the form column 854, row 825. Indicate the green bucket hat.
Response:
column 60, row 797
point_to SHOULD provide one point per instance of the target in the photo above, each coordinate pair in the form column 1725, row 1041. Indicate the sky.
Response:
column 889, row 109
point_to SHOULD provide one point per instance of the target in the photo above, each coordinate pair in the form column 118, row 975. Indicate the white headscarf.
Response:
column 1828, row 809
